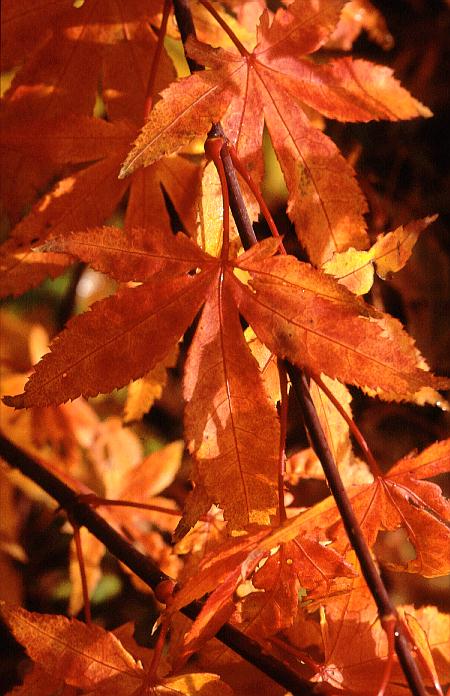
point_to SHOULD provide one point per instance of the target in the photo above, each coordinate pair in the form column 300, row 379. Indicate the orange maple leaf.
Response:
column 83, row 152
column 87, row 197
column 296, row 561
column 301, row 564
column 401, row 498
column 68, row 50
column 355, row 269
column 273, row 84
column 313, row 321
column 116, row 456
column 355, row 645
column 94, row 660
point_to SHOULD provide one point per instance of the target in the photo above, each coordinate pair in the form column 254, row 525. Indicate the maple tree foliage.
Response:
column 115, row 168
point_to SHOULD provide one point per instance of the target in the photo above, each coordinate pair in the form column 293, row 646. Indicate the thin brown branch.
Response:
column 149, row 96
column 237, row 204
column 82, row 569
column 81, row 513
column 186, row 27
column 66, row 307
column 238, row 208
column 84, row 516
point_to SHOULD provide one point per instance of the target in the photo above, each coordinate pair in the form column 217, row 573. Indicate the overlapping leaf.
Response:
column 403, row 499
column 143, row 392
column 68, row 51
column 55, row 433
column 228, row 427
column 91, row 148
column 231, row 426
column 143, row 323
column 244, row 89
column 109, row 346
column 116, row 458
column 354, row 644
column 296, row 561
column 355, row 269
column 358, row 15
column 302, row 565
column 83, row 656
column 94, row 660
column 299, row 314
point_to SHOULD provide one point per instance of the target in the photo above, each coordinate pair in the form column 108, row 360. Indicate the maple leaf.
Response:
column 246, row 453
column 305, row 463
column 222, row 570
column 300, row 565
column 55, row 433
column 422, row 644
column 335, row 427
column 299, row 304
column 94, row 660
column 356, row 16
column 229, row 561
column 112, row 453
column 145, row 483
column 294, row 561
column 243, row 89
column 355, row 645
column 11, row 549
column 353, row 656
column 436, row 627
column 82, row 656
column 90, row 193
column 58, row 436
column 224, row 556
column 220, row 415
column 24, row 270
column 69, row 51
column 87, row 197
column 391, row 251
column 244, row 677
column 70, row 48
column 143, row 392
column 207, row 29
column 267, row 362
column 402, row 499
column 298, row 314
column 197, row 542
column 210, row 213
column 193, row 684
column 156, row 317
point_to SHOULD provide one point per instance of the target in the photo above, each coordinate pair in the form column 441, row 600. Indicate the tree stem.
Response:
column 149, row 96
column 283, row 431
column 237, row 204
column 82, row 568
column 186, row 28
